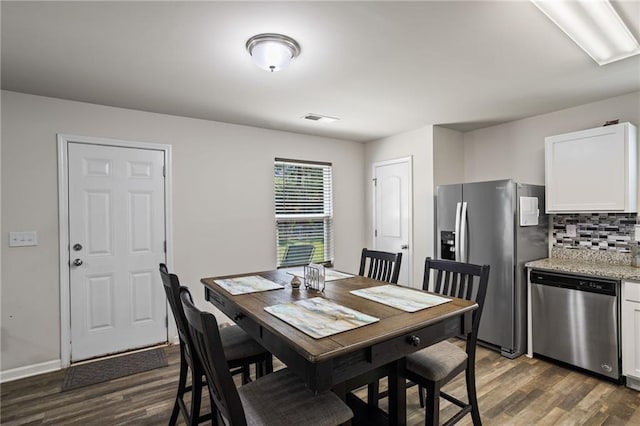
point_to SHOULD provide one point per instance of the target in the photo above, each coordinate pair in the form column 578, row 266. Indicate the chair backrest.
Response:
column 461, row 280
column 382, row 266
column 205, row 335
column 172, row 289
column 297, row 254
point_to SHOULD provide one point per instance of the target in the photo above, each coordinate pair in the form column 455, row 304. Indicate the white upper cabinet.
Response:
column 593, row 170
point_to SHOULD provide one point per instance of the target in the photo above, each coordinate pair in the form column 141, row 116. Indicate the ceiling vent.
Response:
column 320, row 118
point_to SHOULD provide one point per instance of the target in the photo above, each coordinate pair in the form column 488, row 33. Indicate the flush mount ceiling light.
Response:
column 272, row 52
column 595, row 26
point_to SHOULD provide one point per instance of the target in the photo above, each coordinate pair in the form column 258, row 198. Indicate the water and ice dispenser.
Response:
column 448, row 245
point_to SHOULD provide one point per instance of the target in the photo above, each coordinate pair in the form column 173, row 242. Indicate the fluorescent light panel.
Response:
column 594, row 25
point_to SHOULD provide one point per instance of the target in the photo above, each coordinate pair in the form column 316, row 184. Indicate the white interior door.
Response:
column 392, row 208
column 116, row 241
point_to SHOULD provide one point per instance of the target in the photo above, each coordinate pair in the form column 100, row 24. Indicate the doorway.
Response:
column 393, row 211
column 114, row 217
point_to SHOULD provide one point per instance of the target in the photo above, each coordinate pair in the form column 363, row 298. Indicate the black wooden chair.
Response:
column 380, row 265
column 436, row 365
column 239, row 348
column 279, row 398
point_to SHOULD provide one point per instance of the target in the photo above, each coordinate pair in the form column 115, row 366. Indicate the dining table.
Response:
column 344, row 360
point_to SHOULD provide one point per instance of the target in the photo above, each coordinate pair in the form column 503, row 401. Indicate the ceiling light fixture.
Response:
column 272, row 52
column 595, row 26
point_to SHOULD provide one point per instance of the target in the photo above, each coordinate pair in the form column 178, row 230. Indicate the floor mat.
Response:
column 112, row 368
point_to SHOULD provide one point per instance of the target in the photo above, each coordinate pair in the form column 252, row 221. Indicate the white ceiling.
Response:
column 381, row 67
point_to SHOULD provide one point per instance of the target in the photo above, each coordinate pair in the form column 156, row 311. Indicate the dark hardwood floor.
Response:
column 511, row 392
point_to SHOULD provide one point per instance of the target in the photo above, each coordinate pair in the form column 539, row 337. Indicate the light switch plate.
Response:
column 23, row 239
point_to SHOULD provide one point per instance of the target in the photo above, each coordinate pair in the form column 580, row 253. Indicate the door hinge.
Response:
column 375, row 233
column 166, row 321
column 164, row 171
column 375, row 181
column 165, row 246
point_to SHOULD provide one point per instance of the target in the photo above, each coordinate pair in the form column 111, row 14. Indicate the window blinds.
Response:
column 303, row 211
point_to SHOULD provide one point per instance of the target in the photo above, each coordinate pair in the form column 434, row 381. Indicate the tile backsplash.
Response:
column 595, row 231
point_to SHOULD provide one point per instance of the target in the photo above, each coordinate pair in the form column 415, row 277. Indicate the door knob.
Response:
column 77, row 247
column 77, row 262
column 404, row 247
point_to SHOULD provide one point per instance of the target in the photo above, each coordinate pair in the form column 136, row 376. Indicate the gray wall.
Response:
column 448, row 156
column 513, row 150
column 417, row 144
column 223, row 186
column 516, row 149
column 223, row 218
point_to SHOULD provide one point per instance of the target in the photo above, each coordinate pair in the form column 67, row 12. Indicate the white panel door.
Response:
column 116, row 235
column 393, row 211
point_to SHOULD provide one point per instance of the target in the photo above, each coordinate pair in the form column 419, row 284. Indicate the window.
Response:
column 304, row 212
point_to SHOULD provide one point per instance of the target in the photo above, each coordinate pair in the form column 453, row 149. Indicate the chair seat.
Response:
column 437, row 361
column 238, row 345
column 281, row 398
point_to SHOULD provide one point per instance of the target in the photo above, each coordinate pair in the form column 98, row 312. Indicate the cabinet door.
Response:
column 631, row 329
column 592, row 170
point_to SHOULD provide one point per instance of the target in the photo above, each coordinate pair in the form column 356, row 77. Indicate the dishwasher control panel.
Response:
column 575, row 282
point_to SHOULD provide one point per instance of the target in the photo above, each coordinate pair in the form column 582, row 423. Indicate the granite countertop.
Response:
column 580, row 266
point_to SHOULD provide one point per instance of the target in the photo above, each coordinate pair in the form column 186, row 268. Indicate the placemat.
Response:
column 250, row 284
column 403, row 298
column 319, row 317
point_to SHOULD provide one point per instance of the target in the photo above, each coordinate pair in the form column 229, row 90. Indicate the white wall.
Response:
column 448, row 155
column 419, row 145
column 513, row 150
column 222, row 178
column 222, row 203
column 516, row 149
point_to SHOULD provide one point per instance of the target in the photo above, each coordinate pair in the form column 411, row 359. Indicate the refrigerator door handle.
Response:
column 463, row 234
column 457, row 232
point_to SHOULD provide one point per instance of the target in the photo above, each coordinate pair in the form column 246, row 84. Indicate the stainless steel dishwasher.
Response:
column 575, row 319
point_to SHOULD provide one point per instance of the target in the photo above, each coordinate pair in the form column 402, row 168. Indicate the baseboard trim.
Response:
column 29, row 370
column 633, row 383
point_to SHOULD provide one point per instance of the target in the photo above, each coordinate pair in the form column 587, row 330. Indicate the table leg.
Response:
column 397, row 394
column 373, row 393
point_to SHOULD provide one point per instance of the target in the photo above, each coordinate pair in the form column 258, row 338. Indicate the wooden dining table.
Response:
column 345, row 361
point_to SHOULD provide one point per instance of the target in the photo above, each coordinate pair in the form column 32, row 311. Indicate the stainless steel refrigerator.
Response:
column 495, row 223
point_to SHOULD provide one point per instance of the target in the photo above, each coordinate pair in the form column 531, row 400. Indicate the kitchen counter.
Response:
column 587, row 268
